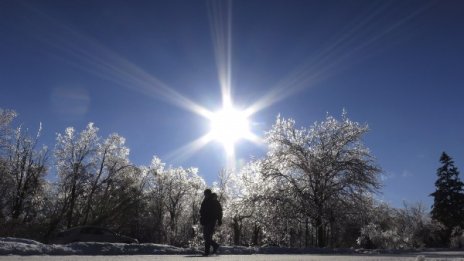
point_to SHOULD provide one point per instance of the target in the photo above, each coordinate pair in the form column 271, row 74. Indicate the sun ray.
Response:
column 89, row 55
column 230, row 157
column 254, row 138
column 189, row 149
column 124, row 73
column 220, row 14
column 345, row 50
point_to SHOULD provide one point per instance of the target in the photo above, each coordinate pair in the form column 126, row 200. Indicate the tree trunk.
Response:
column 72, row 199
column 237, row 232
column 306, row 232
column 255, row 238
column 320, row 232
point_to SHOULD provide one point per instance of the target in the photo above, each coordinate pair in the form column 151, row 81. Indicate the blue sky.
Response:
column 396, row 65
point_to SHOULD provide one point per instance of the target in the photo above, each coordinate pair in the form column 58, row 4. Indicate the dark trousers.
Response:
column 208, row 231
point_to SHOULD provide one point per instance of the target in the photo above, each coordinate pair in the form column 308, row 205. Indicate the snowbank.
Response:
column 20, row 246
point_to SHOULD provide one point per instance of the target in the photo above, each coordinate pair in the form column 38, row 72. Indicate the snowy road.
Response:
column 449, row 255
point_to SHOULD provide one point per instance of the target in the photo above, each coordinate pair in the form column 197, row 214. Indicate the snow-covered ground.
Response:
column 19, row 246
column 25, row 249
column 283, row 257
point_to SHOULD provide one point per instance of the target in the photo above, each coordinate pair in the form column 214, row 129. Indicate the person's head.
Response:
column 214, row 196
column 207, row 193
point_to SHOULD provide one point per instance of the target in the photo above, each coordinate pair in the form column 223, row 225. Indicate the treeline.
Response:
column 96, row 184
column 314, row 187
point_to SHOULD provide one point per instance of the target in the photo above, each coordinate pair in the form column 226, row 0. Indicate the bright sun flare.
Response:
column 228, row 126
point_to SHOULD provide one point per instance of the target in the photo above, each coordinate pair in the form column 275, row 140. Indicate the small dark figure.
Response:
column 210, row 212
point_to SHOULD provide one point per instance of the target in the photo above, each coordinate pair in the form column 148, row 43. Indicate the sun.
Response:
column 228, row 126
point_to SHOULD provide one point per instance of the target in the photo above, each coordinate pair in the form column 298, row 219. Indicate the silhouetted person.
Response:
column 210, row 212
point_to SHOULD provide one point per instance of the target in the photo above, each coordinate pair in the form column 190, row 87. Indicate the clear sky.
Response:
column 137, row 67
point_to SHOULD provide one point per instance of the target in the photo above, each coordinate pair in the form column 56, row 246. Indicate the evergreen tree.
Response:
column 448, row 205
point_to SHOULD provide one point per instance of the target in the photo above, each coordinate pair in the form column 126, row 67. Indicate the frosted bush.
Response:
column 372, row 236
column 457, row 238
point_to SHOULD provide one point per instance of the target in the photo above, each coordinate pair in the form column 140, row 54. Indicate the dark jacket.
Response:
column 210, row 211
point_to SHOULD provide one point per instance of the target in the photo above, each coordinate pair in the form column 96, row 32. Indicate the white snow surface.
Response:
column 20, row 246
column 27, row 247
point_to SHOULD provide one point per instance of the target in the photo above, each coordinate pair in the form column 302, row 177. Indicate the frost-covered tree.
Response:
column 110, row 157
column 27, row 168
column 322, row 167
column 236, row 192
column 22, row 177
column 174, row 198
column 448, row 198
column 114, row 187
column 266, row 214
column 6, row 117
column 399, row 228
column 97, row 183
column 75, row 155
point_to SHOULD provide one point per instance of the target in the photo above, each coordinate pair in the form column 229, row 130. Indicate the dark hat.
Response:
column 207, row 192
